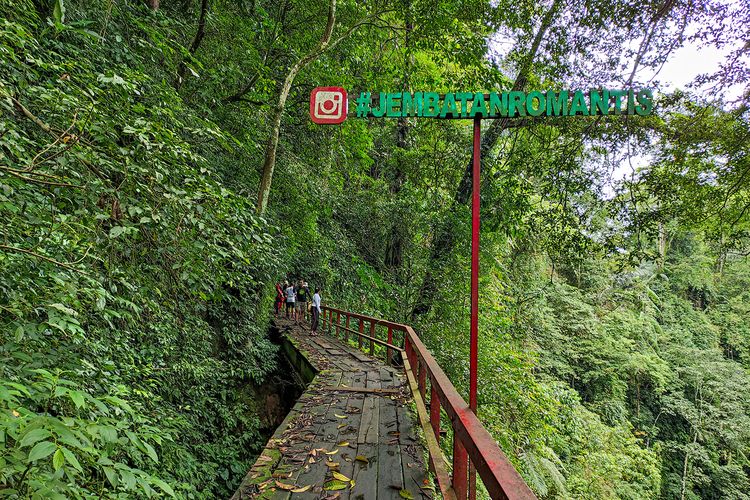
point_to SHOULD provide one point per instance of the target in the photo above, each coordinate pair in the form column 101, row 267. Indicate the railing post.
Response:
column 338, row 322
column 411, row 355
column 472, row 482
column 372, row 334
column 460, row 463
column 389, row 353
column 361, row 331
column 346, row 328
column 421, row 378
column 435, row 410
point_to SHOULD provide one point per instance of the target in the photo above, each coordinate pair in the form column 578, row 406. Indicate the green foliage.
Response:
column 134, row 285
column 135, row 281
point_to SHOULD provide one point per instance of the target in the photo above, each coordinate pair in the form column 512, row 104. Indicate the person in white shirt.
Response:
column 315, row 311
column 290, row 298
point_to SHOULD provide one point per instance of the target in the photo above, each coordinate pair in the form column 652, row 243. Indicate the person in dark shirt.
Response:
column 303, row 296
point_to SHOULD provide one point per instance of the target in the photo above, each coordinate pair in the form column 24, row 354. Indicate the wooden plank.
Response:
column 315, row 473
column 366, row 473
column 359, row 379
column 390, row 476
column 368, row 430
column 369, row 390
column 406, row 426
column 387, row 378
column 364, row 358
column 373, row 379
column 388, row 421
column 415, row 475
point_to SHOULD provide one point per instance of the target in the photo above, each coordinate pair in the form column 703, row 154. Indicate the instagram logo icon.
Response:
column 328, row 105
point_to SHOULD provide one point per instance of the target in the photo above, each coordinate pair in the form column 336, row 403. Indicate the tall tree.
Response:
column 322, row 46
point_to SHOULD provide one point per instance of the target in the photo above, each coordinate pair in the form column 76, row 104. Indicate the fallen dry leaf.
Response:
column 301, row 489
column 341, row 477
column 335, row 485
column 405, row 494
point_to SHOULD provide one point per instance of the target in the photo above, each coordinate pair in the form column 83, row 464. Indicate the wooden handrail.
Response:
column 471, row 441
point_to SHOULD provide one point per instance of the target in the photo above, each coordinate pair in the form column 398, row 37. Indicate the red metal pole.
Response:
column 460, row 460
column 474, row 266
column 474, row 332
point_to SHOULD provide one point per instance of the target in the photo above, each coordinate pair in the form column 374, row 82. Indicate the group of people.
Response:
column 297, row 297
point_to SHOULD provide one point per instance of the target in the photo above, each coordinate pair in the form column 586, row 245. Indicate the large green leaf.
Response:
column 41, row 450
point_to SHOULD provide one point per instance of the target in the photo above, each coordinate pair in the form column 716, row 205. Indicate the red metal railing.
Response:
column 472, row 444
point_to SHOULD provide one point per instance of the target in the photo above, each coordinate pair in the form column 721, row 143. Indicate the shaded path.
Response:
column 350, row 435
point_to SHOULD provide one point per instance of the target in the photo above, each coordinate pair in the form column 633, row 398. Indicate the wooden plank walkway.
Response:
column 350, row 435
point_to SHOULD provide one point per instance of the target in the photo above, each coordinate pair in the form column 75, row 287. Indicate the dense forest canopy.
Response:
column 159, row 173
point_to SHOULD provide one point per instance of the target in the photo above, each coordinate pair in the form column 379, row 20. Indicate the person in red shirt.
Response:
column 279, row 299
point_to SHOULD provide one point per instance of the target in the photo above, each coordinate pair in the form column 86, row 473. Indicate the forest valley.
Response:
column 159, row 173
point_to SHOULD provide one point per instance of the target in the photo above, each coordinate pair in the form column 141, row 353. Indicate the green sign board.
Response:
column 505, row 104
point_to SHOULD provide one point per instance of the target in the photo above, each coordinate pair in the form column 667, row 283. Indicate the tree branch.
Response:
column 199, row 34
column 48, row 259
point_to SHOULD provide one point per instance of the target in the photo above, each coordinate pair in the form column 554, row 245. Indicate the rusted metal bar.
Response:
column 460, row 464
column 373, row 339
column 372, row 336
column 422, row 379
column 411, row 355
column 435, row 411
column 361, row 332
column 346, row 328
column 396, row 326
column 389, row 353
column 338, row 321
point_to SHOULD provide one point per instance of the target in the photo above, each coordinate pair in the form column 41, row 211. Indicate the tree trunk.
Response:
column 395, row 246
column 662, row 246
column 199, row 34
column 444, row 240
column 273, row 141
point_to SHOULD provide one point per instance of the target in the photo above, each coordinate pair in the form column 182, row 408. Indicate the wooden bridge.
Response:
column 371, row 426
